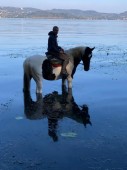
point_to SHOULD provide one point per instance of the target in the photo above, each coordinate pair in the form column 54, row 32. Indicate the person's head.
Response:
column 55, row 30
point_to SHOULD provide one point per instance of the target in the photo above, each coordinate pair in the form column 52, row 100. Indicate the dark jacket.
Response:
column 52, row 43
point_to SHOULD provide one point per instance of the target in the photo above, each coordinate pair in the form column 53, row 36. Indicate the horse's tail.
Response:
column 47, row 71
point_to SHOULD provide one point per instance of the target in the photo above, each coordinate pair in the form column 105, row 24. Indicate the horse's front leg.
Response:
column 63, row 82
column 69, row 80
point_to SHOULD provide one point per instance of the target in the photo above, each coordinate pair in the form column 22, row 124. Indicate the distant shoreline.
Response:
column 14, row 12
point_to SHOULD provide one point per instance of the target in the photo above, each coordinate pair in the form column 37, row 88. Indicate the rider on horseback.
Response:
column 56, row 51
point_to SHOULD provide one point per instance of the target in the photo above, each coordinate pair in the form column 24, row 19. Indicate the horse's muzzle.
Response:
column 86, row 69
column 87, row 65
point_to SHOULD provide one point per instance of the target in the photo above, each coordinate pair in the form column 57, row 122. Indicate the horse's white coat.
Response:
column 56, row 71
column 33, row 69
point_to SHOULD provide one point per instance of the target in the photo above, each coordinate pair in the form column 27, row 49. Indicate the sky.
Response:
column 108, row 6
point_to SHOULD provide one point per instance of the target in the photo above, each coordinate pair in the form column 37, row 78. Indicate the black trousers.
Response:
column 65, row 58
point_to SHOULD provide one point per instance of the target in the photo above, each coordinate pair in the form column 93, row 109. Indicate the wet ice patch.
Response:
column 18, row 117
column 69, row 134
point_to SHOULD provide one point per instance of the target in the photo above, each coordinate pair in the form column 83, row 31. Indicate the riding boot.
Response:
column 64, row 71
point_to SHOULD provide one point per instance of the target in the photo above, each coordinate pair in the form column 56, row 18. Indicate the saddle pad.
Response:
column 56, row 65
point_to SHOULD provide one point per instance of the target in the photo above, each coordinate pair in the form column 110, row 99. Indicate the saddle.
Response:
column 55, row 61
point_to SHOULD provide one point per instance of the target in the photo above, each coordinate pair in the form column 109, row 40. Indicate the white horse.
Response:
column 37, row 67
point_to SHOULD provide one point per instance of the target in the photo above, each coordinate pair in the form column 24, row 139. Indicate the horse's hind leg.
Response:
column 38, row 80
column 39, row 85
column 26, row 83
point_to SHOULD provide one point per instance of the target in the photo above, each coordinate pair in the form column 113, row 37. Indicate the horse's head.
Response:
column 86, row 57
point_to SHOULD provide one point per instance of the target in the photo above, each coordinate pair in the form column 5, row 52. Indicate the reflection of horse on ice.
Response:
column 38, row 67
column 54, row 107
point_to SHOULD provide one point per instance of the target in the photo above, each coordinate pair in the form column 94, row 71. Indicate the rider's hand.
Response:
column 61, row 51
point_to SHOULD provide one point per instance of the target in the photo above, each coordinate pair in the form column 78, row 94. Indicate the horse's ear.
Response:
column 92, row 48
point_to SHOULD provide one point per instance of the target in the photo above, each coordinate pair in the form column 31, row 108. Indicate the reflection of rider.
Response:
column 52, row 128
column 56, row 50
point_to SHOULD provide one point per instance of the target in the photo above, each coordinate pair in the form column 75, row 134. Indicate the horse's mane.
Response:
column 75, row 55
column 76, row 52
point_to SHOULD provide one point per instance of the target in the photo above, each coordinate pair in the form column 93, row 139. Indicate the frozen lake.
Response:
column 30, row 139
column 28, row 36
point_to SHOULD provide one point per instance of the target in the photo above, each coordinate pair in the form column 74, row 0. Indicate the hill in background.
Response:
column 13, row 12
